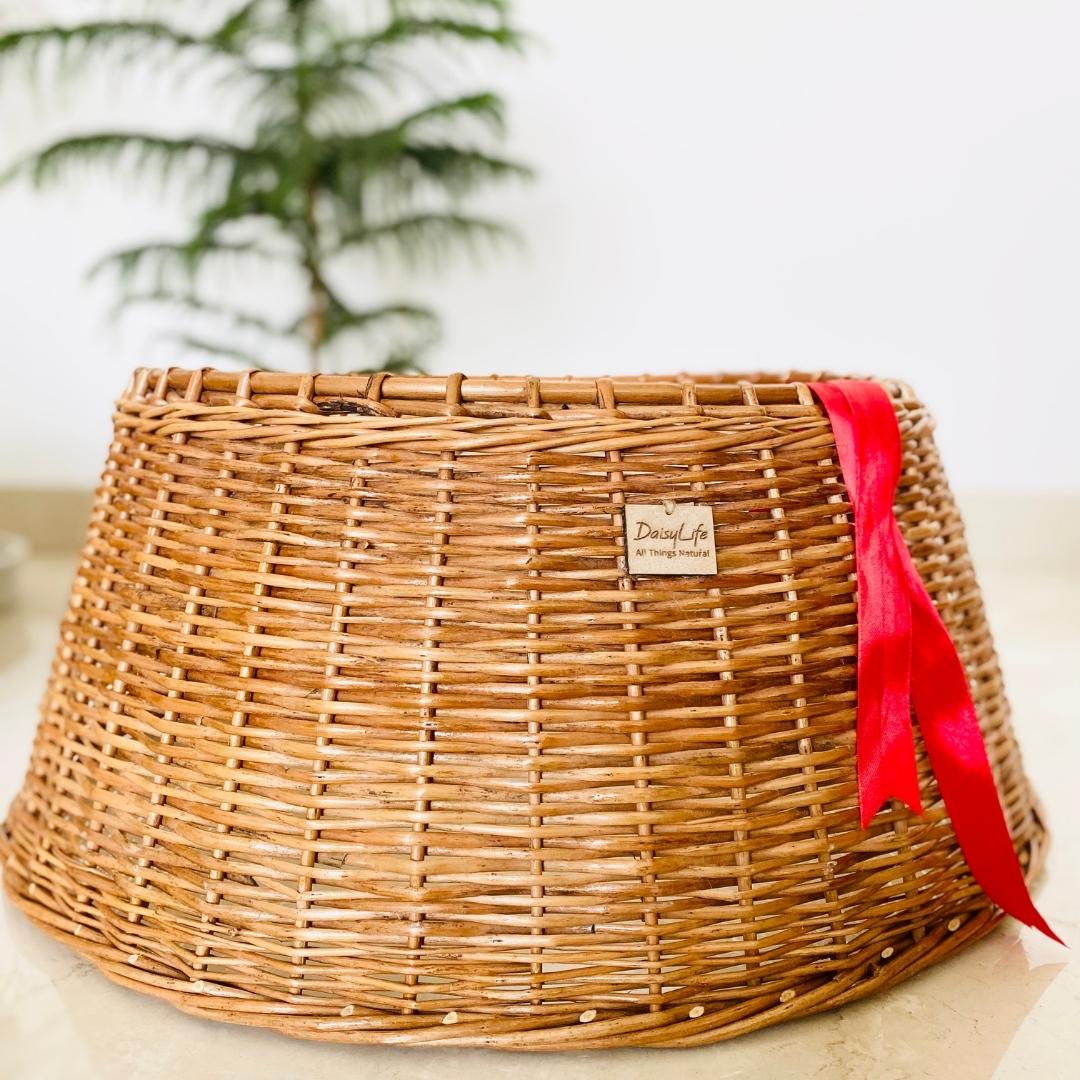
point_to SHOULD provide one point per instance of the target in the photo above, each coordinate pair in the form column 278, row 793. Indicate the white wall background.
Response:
column 888, row 187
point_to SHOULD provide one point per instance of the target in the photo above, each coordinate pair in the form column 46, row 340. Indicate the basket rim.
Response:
column 751, row 390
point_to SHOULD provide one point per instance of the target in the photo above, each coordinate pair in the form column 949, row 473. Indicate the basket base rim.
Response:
column 665, row 1028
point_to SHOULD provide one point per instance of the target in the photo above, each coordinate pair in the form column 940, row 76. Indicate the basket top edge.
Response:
column 753, row 389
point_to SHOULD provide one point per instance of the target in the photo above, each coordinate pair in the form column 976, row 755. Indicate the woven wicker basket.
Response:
column 360, row 730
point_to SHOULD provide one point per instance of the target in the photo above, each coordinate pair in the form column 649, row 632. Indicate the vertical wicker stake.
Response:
column 362, row 728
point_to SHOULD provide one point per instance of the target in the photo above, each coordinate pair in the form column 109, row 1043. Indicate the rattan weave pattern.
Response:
column 358, row 728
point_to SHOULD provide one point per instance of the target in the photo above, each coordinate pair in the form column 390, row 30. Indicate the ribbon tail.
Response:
column 884, row 735
column 954, row 744
column 907, row 656
column 868, row 450
column 884, row 738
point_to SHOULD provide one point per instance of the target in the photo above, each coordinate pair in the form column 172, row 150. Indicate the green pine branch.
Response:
column 341, row 318
column 187, row 258
column 404, row 30
column 402, row 151
column 126, row 39
column 422, row 234
column 142, row 151
column 486, row 107
column 191, row 303
column 316, row 174
column 459, row 170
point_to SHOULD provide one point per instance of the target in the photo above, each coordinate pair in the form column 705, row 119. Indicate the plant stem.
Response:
column 318, row 299
column 318, row 296
column 316, row 324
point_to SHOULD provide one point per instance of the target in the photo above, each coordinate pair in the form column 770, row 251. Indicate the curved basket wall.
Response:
column 358, row 728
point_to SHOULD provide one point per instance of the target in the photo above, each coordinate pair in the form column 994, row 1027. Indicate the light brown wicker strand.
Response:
column 310, row 855
column 534, row 659
column 133, row 630
column 96, row 823
column 791, row 595
column 810, row 786
column 140, row 900
column 429, row 687
column 220, row 491
column 639, row 738
column 102, row 806
column 783, row 554
column 65, row 667
column 401, row 754
column 720, row 635
column 244, row 695
column 955, row 590
column 744, row 878
column 806, row 745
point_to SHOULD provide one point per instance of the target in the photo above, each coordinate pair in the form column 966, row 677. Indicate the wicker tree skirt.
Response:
column 359, row 729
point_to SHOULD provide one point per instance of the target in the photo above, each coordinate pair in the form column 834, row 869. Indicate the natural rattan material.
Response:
column 359, row 730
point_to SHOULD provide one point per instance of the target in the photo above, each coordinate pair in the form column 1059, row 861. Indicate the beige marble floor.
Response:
column 1008, row 1007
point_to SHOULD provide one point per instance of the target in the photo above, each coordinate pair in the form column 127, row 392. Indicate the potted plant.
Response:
column 325, row 166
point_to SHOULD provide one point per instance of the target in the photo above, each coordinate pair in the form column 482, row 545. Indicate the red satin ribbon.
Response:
column 906, row 657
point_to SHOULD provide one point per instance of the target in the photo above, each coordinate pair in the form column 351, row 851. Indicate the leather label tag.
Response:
column 669, row 538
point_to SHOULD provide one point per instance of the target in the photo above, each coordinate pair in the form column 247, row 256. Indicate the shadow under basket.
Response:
column 360, row 728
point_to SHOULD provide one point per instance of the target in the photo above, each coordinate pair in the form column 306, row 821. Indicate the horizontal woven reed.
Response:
column 359, row 729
